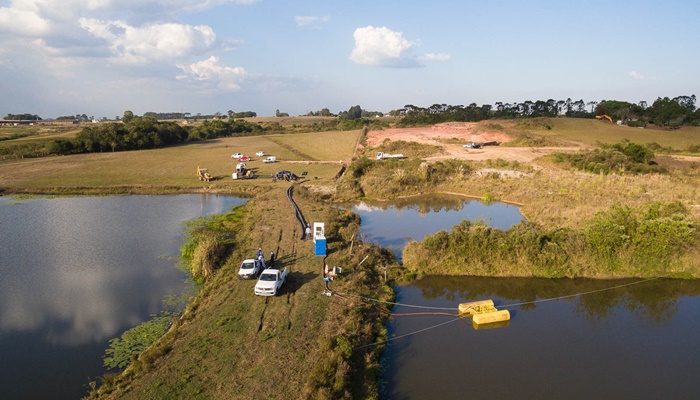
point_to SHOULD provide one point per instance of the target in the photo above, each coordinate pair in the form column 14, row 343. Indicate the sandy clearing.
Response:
column 463, row 132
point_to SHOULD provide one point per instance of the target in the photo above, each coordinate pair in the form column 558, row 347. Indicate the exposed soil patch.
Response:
column 461, row 133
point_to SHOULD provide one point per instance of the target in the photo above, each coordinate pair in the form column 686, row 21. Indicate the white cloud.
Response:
column 22, row 21
column 302, row 21
column 152, row 42
column 210, row 70
column 382, row 47
column 435, row 57
column 636, row 75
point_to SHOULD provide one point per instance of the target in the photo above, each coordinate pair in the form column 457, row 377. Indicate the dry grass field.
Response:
column 593, row 132
column 176, row 166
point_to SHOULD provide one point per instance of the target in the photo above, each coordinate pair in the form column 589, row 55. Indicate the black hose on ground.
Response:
column 297, row 212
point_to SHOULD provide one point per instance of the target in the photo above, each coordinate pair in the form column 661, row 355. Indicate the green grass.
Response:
column 24, row 134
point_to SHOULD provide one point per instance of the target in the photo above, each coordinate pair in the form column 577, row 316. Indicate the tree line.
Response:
column 22, row 117
column 137, row 133
column 665, row 111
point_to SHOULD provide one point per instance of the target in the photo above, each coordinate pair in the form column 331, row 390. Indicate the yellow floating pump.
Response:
column 483, row 312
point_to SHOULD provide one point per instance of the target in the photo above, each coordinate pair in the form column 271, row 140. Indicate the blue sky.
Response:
column 102, row 57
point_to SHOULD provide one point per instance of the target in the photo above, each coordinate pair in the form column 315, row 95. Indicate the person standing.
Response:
column 308, row 231
column 272, row 260
column 259, row 252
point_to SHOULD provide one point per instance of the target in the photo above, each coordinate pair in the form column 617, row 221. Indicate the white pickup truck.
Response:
column 250, row 268
column 384, row 156
column 270, row 282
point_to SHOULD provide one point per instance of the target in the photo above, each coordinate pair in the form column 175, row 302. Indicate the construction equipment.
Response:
column 203, row 174
column 604, row 116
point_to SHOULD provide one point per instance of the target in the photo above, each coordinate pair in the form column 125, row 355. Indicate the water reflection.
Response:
column 652, row 300
column 75, row 272
column 392, row 224
column 636, row 341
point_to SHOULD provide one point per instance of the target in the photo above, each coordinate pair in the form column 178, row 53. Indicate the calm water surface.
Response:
column 76, row 272
column 634, row 342
column 392, row 224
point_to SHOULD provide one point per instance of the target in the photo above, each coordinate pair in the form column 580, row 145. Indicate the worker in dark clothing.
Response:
column 272, row 260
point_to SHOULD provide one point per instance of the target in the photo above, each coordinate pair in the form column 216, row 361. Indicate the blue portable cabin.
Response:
column 319, row 239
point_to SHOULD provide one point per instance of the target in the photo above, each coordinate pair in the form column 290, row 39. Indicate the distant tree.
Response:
column 686, row 101
column 354, row 112
column 128, row 116
column 593, row 105
column 668, row 112
column 21, row 117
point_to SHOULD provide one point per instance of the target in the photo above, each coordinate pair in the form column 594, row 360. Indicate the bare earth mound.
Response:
column 464, row 132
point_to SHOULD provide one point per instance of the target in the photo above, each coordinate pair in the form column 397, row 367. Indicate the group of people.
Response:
column 271, row 262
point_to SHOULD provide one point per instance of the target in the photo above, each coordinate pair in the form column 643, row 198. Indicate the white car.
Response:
column 270, row 282
column 260, row 154
column 270, row 159
column 250, row 268
column 236, row 156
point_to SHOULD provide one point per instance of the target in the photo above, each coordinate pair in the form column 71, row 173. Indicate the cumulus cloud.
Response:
column 636, row 75
column 22, row 21
column 382, row 47
column 212, row 71
column 435, row 57
column 151, row 42
column 310, row 21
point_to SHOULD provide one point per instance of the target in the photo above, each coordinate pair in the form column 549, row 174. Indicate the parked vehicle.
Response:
column 260, row 154
column 244, row 158
column 270, row 282
column 472, row 145
column 286, row 175
column 236, row 156
column 250, row 268
column 270, row 159
column 383, row 156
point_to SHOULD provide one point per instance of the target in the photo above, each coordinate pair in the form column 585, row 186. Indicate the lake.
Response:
column 76, row 272
column 620, row 339
column 637, row 341
column 392, row 224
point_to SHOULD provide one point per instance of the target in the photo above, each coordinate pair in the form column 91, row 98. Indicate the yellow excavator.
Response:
column 604, row 116
column 203, row 174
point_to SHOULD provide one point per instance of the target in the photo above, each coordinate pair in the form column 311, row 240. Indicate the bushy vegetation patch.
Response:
column 622, row 158
column 655, row 240
column 391, row 178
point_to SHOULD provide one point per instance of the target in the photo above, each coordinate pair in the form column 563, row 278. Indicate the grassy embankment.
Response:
column 300, row 344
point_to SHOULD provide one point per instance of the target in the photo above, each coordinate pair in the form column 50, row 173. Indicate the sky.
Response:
column 103, row 57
